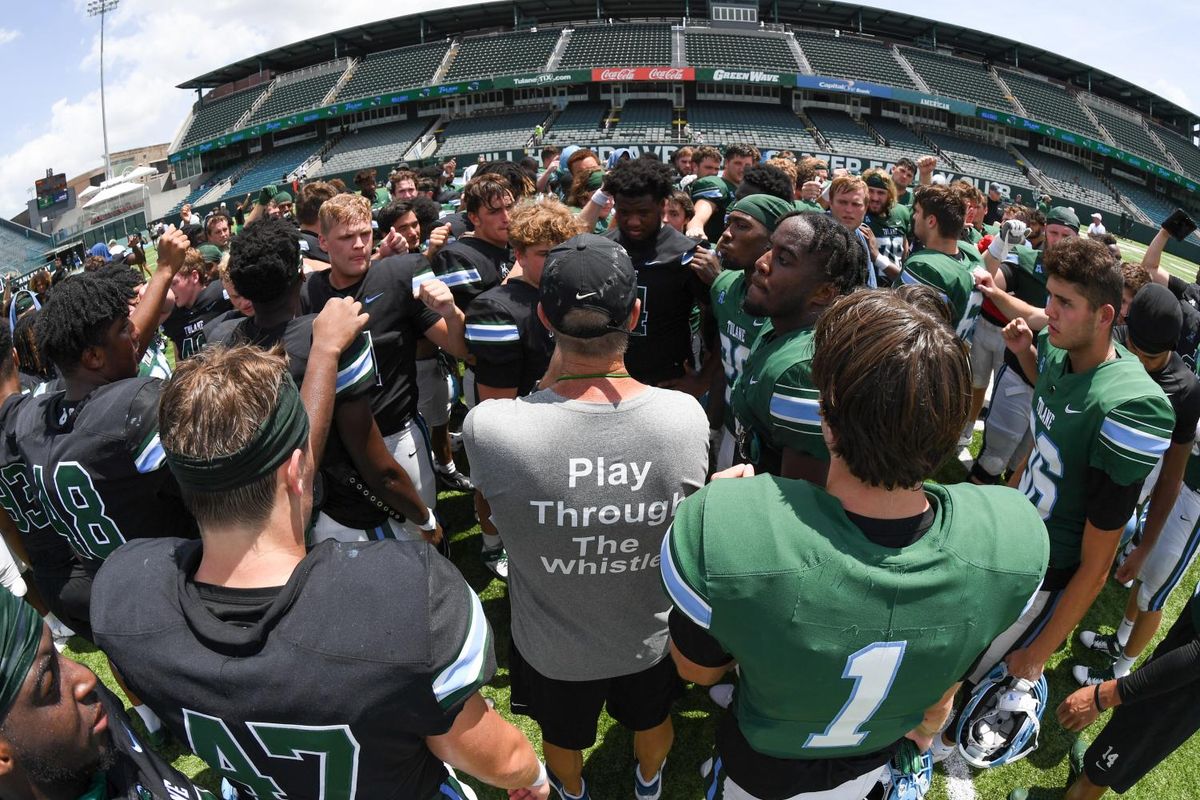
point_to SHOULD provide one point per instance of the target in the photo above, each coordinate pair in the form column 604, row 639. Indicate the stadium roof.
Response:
column 508, row 14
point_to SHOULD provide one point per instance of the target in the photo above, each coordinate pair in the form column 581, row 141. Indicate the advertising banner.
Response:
column 555, row 78
column 843, row 86
column 644, row 74
column 742, row 75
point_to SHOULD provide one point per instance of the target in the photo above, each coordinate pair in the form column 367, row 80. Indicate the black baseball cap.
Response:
column 1154, row 319
column 588, row 272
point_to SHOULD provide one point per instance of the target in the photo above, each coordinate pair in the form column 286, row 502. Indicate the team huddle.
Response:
column 706, row 401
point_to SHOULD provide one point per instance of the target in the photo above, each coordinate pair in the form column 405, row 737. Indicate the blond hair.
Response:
column 541, row 222
column 343, row 209
column 847, row 183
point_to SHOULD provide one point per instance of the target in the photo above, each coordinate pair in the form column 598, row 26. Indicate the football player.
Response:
column 194, row 300
column 890, row 223
column 812, row 261
column 945, row 263
column 713, row 194
column 884, row 668
column 303, row 708
column 1099, row 426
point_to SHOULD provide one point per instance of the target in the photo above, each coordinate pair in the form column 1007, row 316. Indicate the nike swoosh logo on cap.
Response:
column 579, row 296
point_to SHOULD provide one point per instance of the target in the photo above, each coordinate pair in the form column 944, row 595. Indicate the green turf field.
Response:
column 610, row 761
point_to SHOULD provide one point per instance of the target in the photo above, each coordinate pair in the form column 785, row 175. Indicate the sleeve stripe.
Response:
column 708, row 194
column 795, row 409
column 1146, row 461
column 1130, row 439
column 151, row 457
column 422, row 277
column 683, row 596
column 1140, row 424
column 361, row 368
column 467, row 669
column 493, row 333
column 460, row 277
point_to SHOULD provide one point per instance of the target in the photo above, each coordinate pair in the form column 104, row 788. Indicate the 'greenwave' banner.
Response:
column 744, row 75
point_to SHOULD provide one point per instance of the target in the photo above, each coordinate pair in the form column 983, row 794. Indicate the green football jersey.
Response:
column 1113, row 417
column 891, row 231
column 1027, row 278
column 971, row 236
column 738, row 330
column 950, row 276
column 906, row 198
column 774, row 399
column 719, row 192
column 842, row 643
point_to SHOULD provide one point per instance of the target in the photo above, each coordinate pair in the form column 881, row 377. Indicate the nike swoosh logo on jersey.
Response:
column 1073, row 410
column 372, row 298
column 753, row 381
column 579, row 296
column 758, row 323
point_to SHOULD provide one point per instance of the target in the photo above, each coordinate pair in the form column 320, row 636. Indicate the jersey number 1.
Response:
column 873, row 670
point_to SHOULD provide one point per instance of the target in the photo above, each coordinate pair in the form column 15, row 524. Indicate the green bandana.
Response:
column 278, row 435
column 765, row 208
column 20, row 635
column 876, row 181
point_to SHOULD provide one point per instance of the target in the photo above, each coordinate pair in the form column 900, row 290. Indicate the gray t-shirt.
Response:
column 583, row 494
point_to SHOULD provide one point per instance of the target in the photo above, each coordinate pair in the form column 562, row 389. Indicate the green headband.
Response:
column 765, row 208
column 279, row 434
column 20, row 637
column 876, row 181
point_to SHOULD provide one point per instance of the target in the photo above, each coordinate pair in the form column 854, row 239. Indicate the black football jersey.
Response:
column 668, row 288
column 310, row 247
column 325, row 687
column 185, row 326
column 470, row 266
column 511, row 347
column 99, row 469
column 356, row 378
column 397, row 321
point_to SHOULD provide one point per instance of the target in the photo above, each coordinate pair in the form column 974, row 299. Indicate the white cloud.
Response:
column 7, row 35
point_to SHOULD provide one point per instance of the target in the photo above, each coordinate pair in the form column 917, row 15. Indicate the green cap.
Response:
column 1061, row 215
column 765, row 208
column 282, row 197
column 210, row 253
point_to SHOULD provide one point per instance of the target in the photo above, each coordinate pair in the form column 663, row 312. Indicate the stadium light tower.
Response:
column 100, row 8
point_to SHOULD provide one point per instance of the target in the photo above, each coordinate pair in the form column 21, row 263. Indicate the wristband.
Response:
column 600, row 198
column 429, row 524
column 881, row 262
column 1096, row 698
column 541, row 778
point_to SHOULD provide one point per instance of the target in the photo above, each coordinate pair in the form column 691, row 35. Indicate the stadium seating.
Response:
column 851, row 57
column 978, row 159
column 199, row 189
column 295, row 96
column 403, row 68
column 1073, row 181
column 370, row 147
column 1155, row 206
column 731, row 50
column 764, row 126
column 957, row 77
column 270, row 168
column 502, row 54
column 618, row 46
column 578, row 123
column 845, row 135
column 644, row 121
column 900, row 137
column 1129, row 135
column 20, row 248
column 1186, row 153
column 1047, row 102
column 488, row 133
column 210, row 120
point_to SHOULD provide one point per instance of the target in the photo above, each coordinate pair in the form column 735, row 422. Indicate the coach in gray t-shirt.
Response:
column 582, row 481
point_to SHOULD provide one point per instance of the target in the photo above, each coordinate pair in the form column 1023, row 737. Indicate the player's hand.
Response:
column 918, row 738
column 1013, row 232
column 926, row 165
column 1024, row 664
column 434, row 537
column 811, row 190
column 1079, row 709
column 438, row 297
column 172, row 248
column 1132, row 565
column 736, row 471
column 267, row 194
column 391, row 245
column 540, row 793
column 438, row 238
column 339, row 322
column 706, row 265
column 691, row 382
column 1017, row 336
column 866, row 231
column 984, row 282
column 694, row 230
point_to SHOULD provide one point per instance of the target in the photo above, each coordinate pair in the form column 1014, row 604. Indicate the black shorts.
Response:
column 69, row 597
column 568, row 711
column 1140, row 736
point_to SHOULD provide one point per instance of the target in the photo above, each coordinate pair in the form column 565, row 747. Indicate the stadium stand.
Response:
column 851, row 57
column 731, row 50
column 579, row 121
column 1047, row 102
column 1186, row 153
column 644, row 121
column 290, row 96
column 403, row 68
column 845, row 135
column 957, row 77
column 978, row 158
column 774, row 127
column 502, row 54
column 1072, row 180
column 899, row 136
column 1129, row 135
column 20, row 248
column 269, row 168
column 618, row 46
column 487, row 133
column 211, row 119
column 370, row 147
column 203, row 187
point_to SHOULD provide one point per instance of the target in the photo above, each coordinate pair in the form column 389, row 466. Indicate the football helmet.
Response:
column 1000, row 722
column 907, row 783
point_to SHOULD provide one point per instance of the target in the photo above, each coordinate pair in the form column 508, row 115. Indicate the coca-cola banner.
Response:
column 644, row 74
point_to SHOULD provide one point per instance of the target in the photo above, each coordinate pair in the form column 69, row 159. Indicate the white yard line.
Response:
column 959, row 785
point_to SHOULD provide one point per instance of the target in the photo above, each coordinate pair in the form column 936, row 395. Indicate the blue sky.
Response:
column 49, row 54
